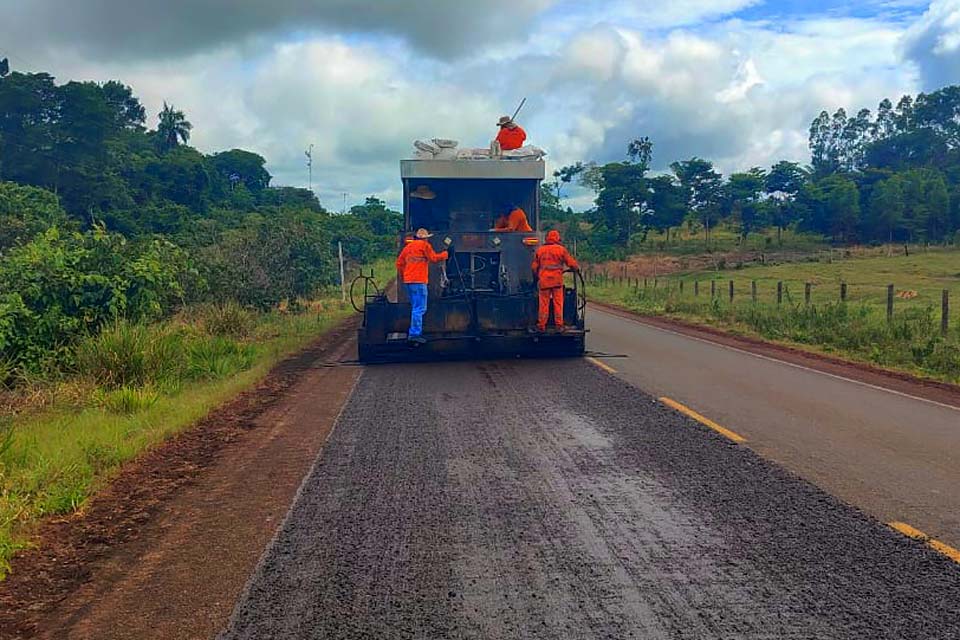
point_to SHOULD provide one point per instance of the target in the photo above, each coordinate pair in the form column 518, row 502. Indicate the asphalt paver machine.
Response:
column 482, row 301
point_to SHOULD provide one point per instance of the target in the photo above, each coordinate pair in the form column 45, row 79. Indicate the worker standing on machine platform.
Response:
column 514, row 219
column 549, row 263
column 413, row 265
column 511, row 135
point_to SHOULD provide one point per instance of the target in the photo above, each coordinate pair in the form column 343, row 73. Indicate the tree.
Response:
column 621, row 202
column 236, row 166
column 640, row 151
column 127, row 111
column 742, row 199
column 667, row 203
column 842, row 207
column 565, row 175
column 172, row 128
column 704, row 189
column 381, row 220
column 784, row 183
column 886, row 206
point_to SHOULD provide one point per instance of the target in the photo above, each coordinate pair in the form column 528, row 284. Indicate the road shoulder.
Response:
column 165, row 549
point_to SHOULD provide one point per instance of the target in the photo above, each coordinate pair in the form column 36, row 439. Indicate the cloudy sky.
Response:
column 737, row 81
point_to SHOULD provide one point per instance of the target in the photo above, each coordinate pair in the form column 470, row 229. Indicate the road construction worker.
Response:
column 549, row 263
column 513, row 219
column 413, row 267
column 511, row 135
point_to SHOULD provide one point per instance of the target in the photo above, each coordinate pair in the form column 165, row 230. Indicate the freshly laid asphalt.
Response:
column 549, row 499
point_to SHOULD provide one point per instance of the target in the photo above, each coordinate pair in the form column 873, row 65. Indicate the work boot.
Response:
column 417, row 339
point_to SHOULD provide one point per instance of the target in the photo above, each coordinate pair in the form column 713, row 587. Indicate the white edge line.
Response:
column 258, row 569
column 783, row 362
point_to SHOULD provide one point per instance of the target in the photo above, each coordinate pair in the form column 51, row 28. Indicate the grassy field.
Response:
column 857, row 328
column 134, row 387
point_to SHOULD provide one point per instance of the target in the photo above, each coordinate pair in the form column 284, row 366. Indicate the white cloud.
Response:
column 144, row 29
column 933, row 43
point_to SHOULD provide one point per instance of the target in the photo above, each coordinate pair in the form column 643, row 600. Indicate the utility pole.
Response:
column 344, row 202
column 343, row 284
column 309, row 154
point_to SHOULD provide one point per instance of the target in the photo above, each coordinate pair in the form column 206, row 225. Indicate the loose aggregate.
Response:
column 547, row 499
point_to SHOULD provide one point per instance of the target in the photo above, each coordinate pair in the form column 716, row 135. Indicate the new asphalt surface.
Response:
column 550, row 499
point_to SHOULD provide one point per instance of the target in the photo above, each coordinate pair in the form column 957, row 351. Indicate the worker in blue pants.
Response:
column 412, row 265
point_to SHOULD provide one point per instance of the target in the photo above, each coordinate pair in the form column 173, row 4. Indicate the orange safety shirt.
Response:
column 516, row 221
column 510, row 139
column 413, row 261
column 549, row 262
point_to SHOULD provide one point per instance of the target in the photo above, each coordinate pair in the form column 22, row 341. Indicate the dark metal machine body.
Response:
column 482, row 301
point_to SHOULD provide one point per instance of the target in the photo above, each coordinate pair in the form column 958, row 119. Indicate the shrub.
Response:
column 128, row 354
column 268, row 261
column 61, row 286
column 225, row 319
column 218, row 357
column 127, row 400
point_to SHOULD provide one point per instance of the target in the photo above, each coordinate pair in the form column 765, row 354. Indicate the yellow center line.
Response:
column 936, row 545
column 602, row 365
column 687, row 411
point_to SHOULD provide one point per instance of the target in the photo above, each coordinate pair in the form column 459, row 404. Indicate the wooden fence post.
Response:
column 753, row 291
column 945, row 312
column 654, row 283
column 696, row 287
column 779, row 292
column 731, row 291
column 644, row 283
column 713, row 289
column 843, row 292
column 889, row 302
column 806, row 294
column 681, row 287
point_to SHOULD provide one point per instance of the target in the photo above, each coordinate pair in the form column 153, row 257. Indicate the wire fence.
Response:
column 779, row 293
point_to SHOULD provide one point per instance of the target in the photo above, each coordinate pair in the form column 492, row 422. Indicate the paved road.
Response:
column 525, row 499
column 894, row 456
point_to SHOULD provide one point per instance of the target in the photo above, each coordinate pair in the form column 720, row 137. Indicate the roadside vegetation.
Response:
column 142, row 283
column 858, row 328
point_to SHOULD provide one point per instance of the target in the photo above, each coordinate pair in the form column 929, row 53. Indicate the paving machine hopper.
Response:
column 482, row 302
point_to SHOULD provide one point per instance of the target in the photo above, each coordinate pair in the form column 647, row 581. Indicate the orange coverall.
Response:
column 511, row 139
column 413, row 261
column 548, row 265
column 515, row 221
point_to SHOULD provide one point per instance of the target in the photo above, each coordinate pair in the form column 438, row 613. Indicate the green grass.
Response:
column 857, row 328
column 135, row 386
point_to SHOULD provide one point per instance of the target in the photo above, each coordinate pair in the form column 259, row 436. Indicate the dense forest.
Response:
column 102, row 217
column 892, row 176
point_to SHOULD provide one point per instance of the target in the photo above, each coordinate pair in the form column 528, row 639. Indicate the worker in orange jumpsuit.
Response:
column 514, row 220
column 413, row 267
column 549, row 263
column 511, row 135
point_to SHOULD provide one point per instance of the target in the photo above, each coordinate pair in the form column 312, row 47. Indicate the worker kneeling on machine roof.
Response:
column 412, row 264
column 549, row 263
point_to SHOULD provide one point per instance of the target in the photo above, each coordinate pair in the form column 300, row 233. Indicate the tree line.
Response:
column 103, row 217
column 889, row 176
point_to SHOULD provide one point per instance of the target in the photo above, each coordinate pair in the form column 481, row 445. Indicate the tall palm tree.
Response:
column 172, row 129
